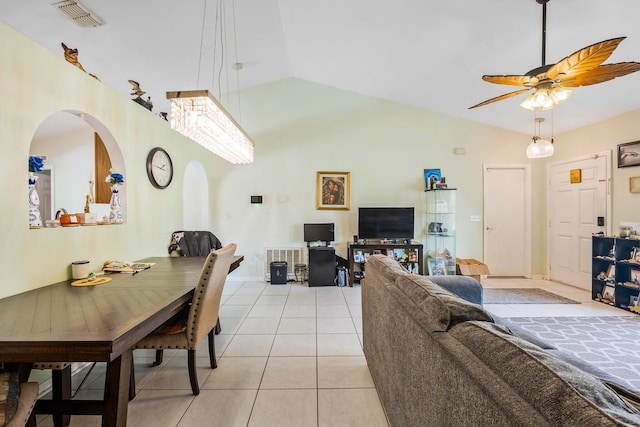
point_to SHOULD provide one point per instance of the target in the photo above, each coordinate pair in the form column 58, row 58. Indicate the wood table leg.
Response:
column 116, row 391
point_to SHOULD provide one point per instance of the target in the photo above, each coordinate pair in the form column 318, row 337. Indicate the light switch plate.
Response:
column 474, row 218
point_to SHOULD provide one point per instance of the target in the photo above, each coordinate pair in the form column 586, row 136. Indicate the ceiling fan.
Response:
column 548, row 82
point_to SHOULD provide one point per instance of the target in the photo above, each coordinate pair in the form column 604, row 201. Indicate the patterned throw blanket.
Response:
column 9, row 394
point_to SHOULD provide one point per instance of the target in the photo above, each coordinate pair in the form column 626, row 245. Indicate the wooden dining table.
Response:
column 101, row 323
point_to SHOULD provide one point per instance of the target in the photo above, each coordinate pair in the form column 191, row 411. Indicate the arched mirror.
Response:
column 78, row 153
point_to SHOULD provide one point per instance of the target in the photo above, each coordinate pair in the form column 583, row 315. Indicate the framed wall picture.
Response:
column 629, row 154
column 634, row 276
column 634, row 184
column 332, row 190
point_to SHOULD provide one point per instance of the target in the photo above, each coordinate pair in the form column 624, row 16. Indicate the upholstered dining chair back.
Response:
column 188, row 328
column 203, row 314
column 193, row 243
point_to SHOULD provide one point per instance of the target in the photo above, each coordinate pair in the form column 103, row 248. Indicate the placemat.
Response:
column 87, row 282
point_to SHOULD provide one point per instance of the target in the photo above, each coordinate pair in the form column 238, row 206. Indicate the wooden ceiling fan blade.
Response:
column 500, row 98
column 601, row 74
column 511, row 80
column 583, row 60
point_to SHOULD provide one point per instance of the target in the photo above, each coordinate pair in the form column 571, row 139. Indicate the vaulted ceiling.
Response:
column 428, row 54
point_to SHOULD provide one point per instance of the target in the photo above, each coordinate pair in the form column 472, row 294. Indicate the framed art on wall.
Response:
column 332, row 190
column 634, row 184
column 629, row 154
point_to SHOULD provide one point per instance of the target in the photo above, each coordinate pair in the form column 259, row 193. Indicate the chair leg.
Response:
column 158, row 361
column 61, row 383
column 193, row 375
column 212, row 350
column 218, row 327
column 132, row 381
column 31, row 422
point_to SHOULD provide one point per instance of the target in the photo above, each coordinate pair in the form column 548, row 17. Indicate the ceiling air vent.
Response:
column 78, row 13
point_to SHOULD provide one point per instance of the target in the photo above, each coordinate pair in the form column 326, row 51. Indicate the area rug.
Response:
column 522, row 296
column 610, row 343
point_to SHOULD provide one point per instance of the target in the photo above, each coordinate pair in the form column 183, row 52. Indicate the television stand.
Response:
column 408, row 254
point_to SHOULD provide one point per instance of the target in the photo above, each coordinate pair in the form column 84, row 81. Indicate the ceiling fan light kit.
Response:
column 549, row 82
column 545, row 98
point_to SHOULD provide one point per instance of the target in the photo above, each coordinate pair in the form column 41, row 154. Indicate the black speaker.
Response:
column 322, row 266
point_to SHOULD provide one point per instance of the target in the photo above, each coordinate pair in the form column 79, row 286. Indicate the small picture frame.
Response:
column 437, row 267
column 412, row 256
column 634, row 184
column 611, row 271
column 634, row 276
column 609, row 293
column 332, row 190
column 575, row 176
column 431, row 177
column 629, row 154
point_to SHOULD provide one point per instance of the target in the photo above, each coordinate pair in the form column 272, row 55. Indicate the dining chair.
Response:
column 17, row 400
column 187, row 329
column 194, row 243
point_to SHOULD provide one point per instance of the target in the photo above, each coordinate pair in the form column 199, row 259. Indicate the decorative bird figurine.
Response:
column 136, row 88
column 163, row 114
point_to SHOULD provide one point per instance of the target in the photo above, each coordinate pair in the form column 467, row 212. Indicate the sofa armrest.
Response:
column 465, row 287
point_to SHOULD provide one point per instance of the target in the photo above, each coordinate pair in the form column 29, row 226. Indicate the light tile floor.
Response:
column 288, row 355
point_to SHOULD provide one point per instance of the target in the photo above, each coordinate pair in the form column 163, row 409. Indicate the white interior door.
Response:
column 507, row 220
column 574, row 210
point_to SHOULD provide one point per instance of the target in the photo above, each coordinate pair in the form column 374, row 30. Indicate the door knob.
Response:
column 489, row 228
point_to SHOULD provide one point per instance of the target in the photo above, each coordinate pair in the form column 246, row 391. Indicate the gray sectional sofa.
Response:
column 439, row 359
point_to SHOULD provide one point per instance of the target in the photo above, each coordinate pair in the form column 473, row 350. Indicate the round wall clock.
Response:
column 159, row 168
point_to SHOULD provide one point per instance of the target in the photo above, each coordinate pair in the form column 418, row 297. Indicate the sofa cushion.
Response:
column 561, row 392
column 388, row 268
column 9, row 395
column 442, row 308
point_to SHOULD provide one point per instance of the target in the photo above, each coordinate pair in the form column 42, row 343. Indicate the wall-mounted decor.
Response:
column 634, row 184
column 332, row 190
column 575, row 176
column 629, row 154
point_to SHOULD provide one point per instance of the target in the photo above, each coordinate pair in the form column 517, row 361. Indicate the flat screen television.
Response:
column 385, row 223
column 319, row 232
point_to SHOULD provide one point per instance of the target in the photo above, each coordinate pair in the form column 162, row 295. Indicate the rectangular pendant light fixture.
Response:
column 199, row 116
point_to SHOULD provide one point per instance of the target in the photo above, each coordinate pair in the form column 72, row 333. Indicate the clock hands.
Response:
column 161, row 168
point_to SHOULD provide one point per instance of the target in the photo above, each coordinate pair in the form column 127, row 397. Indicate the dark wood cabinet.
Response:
column 408, row 254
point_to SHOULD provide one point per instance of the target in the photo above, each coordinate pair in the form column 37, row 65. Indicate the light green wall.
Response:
column 36, row 83
column 303, row 128
column 299, row 127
